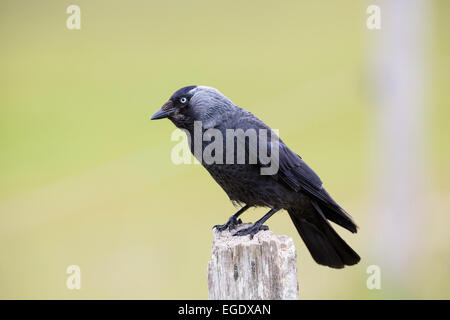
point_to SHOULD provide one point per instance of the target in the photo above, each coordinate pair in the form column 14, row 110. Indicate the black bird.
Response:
column 294, row 187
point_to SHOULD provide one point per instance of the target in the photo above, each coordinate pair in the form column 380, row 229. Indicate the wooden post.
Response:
column 262, row 268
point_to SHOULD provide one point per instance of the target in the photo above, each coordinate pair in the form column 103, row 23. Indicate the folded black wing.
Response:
column 292, row 170
column 295, row 173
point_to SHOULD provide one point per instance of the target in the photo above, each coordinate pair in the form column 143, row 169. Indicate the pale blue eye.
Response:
column 183, row 100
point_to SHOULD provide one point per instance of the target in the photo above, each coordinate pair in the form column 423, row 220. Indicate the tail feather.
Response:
column 325, row 245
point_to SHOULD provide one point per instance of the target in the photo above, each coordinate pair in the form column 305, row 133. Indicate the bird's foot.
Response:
column 251, row 231
column 230, row 224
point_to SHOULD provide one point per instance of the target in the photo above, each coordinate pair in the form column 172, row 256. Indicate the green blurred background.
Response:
column 86, row 178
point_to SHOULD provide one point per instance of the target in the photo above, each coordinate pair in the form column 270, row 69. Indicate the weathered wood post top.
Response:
column 264, row 267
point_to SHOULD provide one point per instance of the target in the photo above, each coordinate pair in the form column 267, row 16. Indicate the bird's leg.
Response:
column 257, row 226
column 232, row 221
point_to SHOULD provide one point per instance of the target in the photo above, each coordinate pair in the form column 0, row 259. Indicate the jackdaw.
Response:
column 294, row 186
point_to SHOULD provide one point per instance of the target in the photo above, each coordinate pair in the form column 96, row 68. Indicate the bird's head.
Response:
column 195, row 103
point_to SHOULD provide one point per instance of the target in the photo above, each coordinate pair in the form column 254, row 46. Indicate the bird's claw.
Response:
column 230, row 224
column 251, row 231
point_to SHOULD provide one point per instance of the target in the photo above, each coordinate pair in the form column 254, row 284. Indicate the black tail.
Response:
column 325, row 245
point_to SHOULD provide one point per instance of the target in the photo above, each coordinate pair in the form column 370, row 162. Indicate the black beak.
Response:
column 166, row 110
